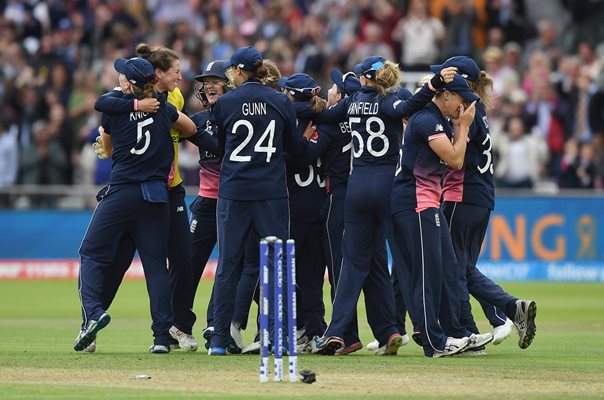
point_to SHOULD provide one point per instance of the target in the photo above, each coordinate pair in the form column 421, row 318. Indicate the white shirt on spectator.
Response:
column 9, row 157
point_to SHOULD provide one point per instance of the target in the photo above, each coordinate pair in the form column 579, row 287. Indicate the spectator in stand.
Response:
column 421, row 36
column 43, row 162
column 545, row 115
column 505, row 78
column 547, row 42
column 521, row 157
column 509, row 16
column 463, row 20
column 9, row 161
column 372, row 44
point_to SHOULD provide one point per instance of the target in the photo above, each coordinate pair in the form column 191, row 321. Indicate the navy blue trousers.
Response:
column 179, row 263
column 203, row 239
column 236, row 220
column 334, row 231
column 366, row 219
column 123, row 220
column 423, row 266
column 310, row 274
column 468, row 225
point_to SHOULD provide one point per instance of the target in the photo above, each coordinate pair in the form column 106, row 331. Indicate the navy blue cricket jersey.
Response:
column 376, row 140
column 417, row 183
column 305, row 181
column 255, row 125
column 142, row 145
column 333, row 143
column 473, row 184
column 335, row 158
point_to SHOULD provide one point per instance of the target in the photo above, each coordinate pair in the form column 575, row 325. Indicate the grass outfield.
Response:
column 39, row 321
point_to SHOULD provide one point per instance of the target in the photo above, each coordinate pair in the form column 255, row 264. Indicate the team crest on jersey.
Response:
column 439, row 128
column 209, row 128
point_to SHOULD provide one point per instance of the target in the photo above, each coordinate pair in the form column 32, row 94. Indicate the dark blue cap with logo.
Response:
column 213, row 69
column 138, row 71
column 460, row 86
column 300, row 85
column 466, row 67
column 348, row 83
column 244, row 58
column 369, row 66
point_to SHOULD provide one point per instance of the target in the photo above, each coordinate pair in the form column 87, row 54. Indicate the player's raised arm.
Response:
column 398, row 108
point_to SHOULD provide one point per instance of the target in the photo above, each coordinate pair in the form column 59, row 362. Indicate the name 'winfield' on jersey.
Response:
column 362, row 107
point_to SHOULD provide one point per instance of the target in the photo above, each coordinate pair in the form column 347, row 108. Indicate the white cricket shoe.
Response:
column 91, row 347
column 236, row 334
column 452, row 346
column 373, row 346
column 526, row 311
column 478, row 340
column 501, row 332
column 252, row 348
column 185, row 341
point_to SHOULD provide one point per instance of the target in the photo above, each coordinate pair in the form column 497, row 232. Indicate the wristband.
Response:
column 135, row 105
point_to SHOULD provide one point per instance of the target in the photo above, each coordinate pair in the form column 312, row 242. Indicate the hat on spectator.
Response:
column 369, row 66
column 466, row 67
column 138, row 71
column 244, row 58
column 300, row 85
column 404, row 93
column 213, row 69
column 348, row 83
column 460, row 86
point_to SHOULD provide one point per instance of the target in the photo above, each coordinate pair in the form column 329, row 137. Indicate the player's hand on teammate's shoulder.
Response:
column 148, row 105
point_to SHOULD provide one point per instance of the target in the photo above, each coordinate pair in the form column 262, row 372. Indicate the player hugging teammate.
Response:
column 341, row 177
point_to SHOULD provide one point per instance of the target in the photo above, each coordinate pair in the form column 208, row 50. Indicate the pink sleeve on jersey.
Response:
column 437, row 135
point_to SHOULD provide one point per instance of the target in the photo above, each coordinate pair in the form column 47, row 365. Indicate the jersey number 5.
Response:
column 267, row 136
column 139, row 136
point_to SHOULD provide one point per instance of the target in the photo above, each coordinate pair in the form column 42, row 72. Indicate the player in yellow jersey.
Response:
column 167, row 69
column 166, row 64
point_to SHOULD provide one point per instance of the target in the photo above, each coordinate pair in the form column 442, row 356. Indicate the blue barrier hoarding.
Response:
column 529, row 238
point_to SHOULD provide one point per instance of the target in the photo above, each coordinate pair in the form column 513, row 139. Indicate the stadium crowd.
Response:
column 56, row 58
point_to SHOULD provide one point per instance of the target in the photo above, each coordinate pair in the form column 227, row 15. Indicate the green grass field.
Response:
column 39, row 321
